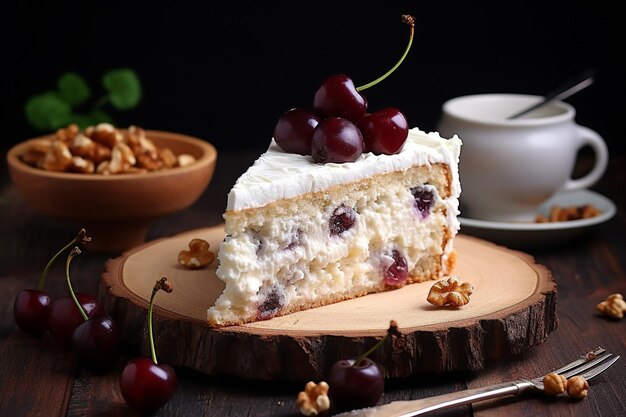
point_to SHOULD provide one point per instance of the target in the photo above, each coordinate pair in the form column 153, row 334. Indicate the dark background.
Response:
column 226, row 71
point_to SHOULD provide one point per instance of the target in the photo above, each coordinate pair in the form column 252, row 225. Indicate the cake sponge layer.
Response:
column 338, row 243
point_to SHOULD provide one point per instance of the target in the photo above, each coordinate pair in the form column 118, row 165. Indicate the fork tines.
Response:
column 589, row 365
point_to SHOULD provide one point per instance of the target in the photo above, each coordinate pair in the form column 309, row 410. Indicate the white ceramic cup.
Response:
column 508, row 168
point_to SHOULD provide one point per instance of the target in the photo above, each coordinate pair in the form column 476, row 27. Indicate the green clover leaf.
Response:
column 48, row 111
column 124, row 88
column 73, row 89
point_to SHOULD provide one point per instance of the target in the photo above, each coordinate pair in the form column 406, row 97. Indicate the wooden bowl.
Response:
column 116, row 210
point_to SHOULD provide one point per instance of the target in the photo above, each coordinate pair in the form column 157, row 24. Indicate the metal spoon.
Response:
column 573, row 86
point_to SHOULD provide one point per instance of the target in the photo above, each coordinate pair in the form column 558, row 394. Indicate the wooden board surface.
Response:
column 512, row 308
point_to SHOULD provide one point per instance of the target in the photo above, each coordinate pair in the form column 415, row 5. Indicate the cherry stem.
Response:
column 44, row 274
column 392, row 330
column 81, row 237
column 162, row 284
column 369, row 352
column 74, row 252
column 411, row 22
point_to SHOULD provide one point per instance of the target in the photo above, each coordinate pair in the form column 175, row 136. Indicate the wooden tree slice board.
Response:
column 512, row 308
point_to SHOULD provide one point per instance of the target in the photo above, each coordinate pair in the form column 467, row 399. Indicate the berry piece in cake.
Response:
column 395, row 271
column 342, row 219
column 271, row 303
column 424, row 199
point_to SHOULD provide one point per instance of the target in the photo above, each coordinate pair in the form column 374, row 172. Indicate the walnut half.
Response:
column 554, row 384
column 198, row 256
column 614, row 306
column 314, row 399
column 450, row 292
column 577, row 387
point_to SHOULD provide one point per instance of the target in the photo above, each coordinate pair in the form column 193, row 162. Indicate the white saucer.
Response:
column 535, row 235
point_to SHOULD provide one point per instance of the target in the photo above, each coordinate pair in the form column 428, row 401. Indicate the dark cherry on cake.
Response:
column 338, row 97
column 336, row 139
column 384, row 131
column 32, row 307
column 294, row 130
column 305, row 131
column 147, row 385
column 358, row 383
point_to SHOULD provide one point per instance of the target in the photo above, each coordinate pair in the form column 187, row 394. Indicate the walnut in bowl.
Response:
column 118, row 206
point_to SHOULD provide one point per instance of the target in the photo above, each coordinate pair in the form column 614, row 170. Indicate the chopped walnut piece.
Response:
column 577, row 387
column 81, row 145
column 145, row 160
column 36, row 151
column 58, row 158
column 68, row 133
column 562, row 214
column 105, row 134
column 198, row 256
column 185, row 160
column 100, row 153
column 167, row 157
column 103, row 168
column 450, row 292
column 614, row 306
column 314, row 399
column 82, row 165
column 554, row 384
column 122, row 159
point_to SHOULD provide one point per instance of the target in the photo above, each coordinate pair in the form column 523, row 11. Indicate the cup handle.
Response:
column 593, row 139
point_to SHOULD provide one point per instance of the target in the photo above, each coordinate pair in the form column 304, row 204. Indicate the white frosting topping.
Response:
column 272, row 175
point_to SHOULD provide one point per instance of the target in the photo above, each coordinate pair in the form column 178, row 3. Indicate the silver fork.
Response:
column 588, row 366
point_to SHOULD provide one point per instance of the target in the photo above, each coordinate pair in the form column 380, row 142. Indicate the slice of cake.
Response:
column 302, row 235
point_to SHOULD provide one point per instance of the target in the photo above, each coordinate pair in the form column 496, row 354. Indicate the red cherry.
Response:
column 355, row 385
column 336, row 139
column 337, row 96
column 31, row 311
column 146, row 386
column 294, row 130
column 97, row 343
column 65, row 316
column 384, row 131
column 32, row 308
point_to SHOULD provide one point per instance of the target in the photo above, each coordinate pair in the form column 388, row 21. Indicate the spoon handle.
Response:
column 572, row 87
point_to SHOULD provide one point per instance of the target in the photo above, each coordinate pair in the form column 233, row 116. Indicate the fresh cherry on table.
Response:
column 96, row 340
column 97, row 343
column 32, row 307
column 31, row 311
column 145, row 384
column 65, row 316
column 358, row 383
column 355, row 385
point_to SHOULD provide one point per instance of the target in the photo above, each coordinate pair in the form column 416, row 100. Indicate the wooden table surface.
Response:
column 37, row 378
